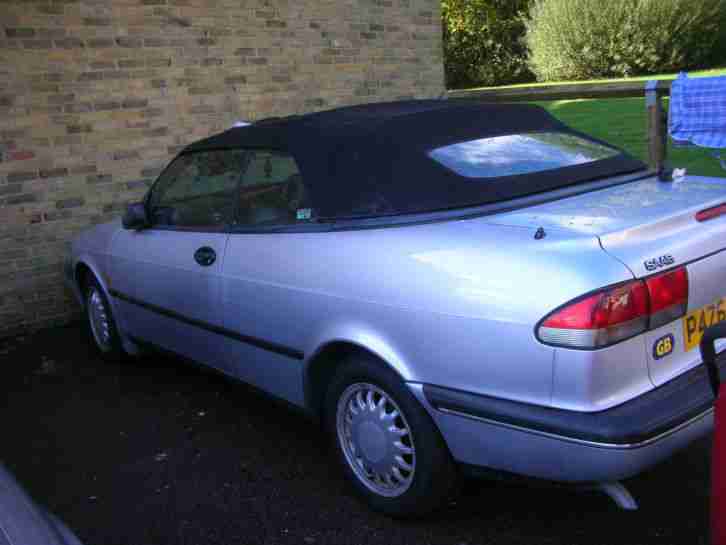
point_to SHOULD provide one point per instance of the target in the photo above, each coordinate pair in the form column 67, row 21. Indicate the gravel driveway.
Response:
column 161, row 452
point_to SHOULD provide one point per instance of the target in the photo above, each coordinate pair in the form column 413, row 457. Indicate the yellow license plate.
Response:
column 694, row 323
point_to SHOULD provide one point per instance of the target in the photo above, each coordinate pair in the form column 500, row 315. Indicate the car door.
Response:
column 273, row 207
column 166, row 278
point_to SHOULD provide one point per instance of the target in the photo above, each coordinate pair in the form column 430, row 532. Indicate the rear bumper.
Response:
column 573, row 446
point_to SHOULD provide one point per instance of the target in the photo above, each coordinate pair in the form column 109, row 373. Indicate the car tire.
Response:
column 368, row 445
column 100, row 321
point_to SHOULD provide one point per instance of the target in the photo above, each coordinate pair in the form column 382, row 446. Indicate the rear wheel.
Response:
column 385, row 441
column 100, row 321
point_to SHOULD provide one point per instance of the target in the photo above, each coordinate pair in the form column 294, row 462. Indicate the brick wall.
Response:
column 97, row 95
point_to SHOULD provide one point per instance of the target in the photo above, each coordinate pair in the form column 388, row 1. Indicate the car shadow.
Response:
column 187, row 455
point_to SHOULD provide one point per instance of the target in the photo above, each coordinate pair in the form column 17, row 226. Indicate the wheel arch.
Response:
column 84, row 267
column 321, row 365
column 81, row 273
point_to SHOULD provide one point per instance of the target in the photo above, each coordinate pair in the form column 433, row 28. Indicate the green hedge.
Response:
column 585, row 39
column 484, row 42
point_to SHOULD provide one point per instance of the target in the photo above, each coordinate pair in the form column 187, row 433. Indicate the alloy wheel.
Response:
column 98, row 319
column 376, row 439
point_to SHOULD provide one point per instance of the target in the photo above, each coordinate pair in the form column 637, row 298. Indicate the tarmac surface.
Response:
column 156, row 451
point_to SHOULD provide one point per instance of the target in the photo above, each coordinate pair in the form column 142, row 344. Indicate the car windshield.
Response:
column 516, row 154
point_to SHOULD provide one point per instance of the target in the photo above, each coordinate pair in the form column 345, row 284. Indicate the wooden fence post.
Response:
column 657, row 127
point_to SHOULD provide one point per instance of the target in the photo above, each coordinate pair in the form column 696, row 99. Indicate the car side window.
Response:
column 272, row 190
column 197, row 190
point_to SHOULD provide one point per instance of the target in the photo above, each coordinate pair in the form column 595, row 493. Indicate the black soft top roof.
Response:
column 372, row 159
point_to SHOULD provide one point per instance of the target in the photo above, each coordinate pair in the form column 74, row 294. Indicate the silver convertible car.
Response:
column 447, row 287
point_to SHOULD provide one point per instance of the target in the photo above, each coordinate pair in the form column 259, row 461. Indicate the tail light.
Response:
column 710, row 213
column 618, row 312
column 668, row 294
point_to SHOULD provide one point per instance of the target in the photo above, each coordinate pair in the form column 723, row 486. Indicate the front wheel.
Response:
column 101, row 322
column 386, row 442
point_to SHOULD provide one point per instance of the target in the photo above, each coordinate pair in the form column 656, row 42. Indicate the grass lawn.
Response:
column 695, row 73
column 622, row 121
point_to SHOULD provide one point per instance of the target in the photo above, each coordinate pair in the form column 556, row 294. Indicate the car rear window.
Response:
column 516, row 154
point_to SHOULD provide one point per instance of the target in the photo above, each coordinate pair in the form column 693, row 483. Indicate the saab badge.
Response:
column 658, row 262
column 663, row 346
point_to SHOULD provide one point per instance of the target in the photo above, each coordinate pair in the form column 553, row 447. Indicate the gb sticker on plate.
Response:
column 663, row 346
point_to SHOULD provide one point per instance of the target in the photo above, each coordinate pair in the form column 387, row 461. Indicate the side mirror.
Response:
column 135, row 217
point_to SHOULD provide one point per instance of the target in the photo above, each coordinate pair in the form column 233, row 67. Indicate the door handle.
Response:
column 205, row 256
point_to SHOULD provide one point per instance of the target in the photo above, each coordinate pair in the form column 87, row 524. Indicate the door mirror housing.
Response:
column 135, row 217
